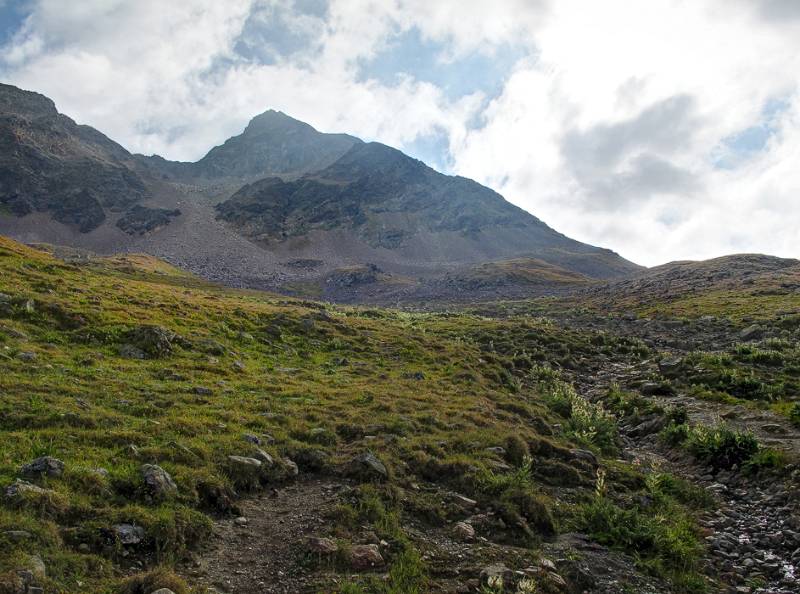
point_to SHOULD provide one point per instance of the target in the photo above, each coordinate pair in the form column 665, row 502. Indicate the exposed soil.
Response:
column 266, row 551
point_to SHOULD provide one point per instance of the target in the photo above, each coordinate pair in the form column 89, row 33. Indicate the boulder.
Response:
column 754, row 332
column 44, row 466
column 462, row 501
column 366, row 466
column 244, row 471
column 464, row 531
column 670, row 367
column 155, row 341
column 19, row 489
column 365, row 557
column 321, row 546
column 158, row 481
column 128, row 534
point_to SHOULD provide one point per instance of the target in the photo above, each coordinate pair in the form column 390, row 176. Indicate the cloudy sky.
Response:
column 666, row 129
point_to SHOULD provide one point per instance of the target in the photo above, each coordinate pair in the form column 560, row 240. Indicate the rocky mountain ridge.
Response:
column 277, row 193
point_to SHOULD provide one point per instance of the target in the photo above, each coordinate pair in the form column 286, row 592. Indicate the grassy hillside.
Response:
column 112, row 365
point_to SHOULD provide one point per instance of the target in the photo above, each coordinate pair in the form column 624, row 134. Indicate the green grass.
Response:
column 429, row 394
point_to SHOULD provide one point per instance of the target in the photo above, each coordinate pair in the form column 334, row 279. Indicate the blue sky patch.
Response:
column 12, row 14
column 410, row 54
column 745, row 144
column 268, row 34
column 432, row 149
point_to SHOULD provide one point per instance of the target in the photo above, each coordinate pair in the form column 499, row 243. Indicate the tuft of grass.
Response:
column 149, row 582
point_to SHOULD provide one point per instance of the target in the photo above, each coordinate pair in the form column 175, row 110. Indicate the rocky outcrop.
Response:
column 48, row 163
column 140, row 219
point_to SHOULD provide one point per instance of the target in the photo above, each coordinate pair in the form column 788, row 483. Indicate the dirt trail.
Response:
column 265, row 552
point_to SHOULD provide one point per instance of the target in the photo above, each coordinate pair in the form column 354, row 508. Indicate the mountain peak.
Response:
column 275, row 144
column 272, row 121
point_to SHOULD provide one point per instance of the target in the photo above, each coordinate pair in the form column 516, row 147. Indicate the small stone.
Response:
column 202, row 391
column 240, row 521
column 264, row 457
column 365, row 557
column 462, row 501
column 556, row 580
column 26, row 356
column 84, row 548
column 163, row 591
column 254, row 439
column 291, row 467
column 44, row 466
column 547, row 564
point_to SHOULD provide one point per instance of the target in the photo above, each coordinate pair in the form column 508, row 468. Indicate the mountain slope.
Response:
column 390, row 205
column 168, row 407
column 50, row 164
column 280, row 206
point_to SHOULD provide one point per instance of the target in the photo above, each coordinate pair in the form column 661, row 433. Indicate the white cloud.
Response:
column 609, row 128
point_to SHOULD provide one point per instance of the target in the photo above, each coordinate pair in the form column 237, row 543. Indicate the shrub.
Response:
column 588, row 422
column 765, row 458
column 720, row 446
column 675, row 434
column 665, row 543
column 794, row 414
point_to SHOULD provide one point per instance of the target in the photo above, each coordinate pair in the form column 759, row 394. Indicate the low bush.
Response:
column 720, row 446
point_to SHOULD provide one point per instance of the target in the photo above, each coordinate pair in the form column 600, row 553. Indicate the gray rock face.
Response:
column 158, row 481
column 273, row 144
column 50, row 164
column 140, row 220
column 46, row 466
